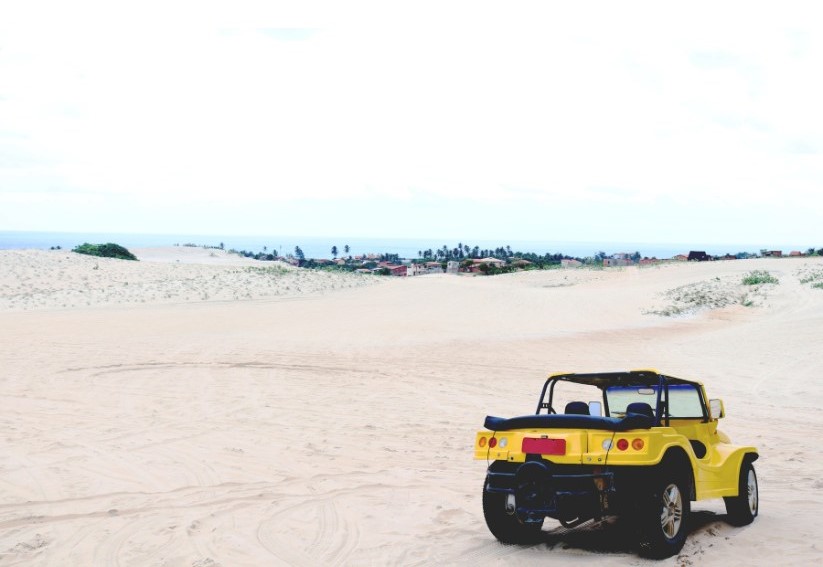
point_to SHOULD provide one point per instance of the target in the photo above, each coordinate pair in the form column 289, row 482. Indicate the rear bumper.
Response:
column 571, row 494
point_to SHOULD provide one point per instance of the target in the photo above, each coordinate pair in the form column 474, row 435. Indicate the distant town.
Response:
column 464, row 258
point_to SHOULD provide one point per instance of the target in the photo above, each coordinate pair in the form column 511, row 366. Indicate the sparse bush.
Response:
column 715, row 293
column 758, row 277
column 108, row 250
column 266, row 270
column 810, row 276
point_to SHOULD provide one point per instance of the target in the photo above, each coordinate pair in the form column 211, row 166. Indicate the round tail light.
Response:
column 637, row 444
column 492, row 443
column 622, row 444
column 482, row 442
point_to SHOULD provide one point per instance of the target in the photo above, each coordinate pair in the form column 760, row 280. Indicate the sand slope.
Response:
column 63, row 279
column 333, row 426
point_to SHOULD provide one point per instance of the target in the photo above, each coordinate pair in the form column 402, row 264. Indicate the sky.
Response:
column 641, row 122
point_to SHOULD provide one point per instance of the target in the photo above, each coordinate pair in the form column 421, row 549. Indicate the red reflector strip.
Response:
column 544, row 446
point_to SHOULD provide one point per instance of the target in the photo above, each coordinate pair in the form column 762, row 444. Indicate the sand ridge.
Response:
column 337, row 429
column 35, row 279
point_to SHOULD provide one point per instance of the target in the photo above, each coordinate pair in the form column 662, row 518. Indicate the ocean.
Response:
column 320, row 247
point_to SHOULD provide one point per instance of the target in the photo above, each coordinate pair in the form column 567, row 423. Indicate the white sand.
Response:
column 63, row 279
column 197, row 413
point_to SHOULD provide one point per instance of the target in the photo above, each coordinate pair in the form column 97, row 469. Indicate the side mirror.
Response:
column 595, row 408
column 716, row 409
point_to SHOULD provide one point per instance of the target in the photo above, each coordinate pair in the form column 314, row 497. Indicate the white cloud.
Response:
column 704, row 105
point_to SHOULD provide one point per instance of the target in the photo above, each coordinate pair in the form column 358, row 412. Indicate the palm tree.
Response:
column 346, row 249
column 334, row 251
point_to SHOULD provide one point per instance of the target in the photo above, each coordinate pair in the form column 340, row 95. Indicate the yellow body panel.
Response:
column 716, row 474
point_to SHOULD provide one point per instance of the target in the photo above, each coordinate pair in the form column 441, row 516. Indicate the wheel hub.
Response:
column 751, row 488
column 671, row 515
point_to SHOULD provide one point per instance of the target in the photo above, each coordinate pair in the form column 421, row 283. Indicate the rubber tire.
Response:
column 654, row 542
column 504, row 526
column 738, row 509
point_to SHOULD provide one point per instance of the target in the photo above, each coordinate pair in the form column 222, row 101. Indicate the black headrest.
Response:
column 577, row 408
column 641, row 408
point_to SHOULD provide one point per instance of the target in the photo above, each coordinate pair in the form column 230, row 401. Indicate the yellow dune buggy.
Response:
column 639, row 445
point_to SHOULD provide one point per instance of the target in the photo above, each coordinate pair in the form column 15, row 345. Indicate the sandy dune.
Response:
column 63, row 279
column 202, row 413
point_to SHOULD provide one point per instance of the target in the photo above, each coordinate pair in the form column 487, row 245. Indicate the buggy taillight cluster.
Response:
column 623, row 444
column 492, row 442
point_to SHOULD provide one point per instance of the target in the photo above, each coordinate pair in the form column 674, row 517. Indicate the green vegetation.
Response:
column 758, row 277
column 483, row 261
column 266, row 270
column 108, row 250
column 715, row 293
column 221, row 246
column 811, row 276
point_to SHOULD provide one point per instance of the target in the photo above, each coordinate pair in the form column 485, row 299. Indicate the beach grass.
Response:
column 758, row 277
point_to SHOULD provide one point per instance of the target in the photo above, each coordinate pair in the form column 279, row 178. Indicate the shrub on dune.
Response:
column 108, row 250
column 758, row 277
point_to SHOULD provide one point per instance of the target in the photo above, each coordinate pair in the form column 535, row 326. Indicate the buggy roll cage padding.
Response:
column 569, row 421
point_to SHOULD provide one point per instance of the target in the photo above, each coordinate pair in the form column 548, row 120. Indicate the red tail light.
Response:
column 492, row 443
column 622, row 444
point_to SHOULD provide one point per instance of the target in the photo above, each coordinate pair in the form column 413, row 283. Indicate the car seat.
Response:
column 641, row 408
column 577, row 408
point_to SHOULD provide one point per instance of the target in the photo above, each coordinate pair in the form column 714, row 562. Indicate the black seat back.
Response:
column 641, row 408
column 577, row 408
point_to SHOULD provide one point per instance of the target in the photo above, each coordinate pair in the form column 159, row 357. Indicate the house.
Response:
column 393, row 269
column 773, row 254
column 698, row 256
column 416, row 269
column 611, row 262
column 648, row 261
column 795, row 253
column 434, row 267
column 680, row 258
column 568, row 263
column 452, row 267
column 490, row 262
